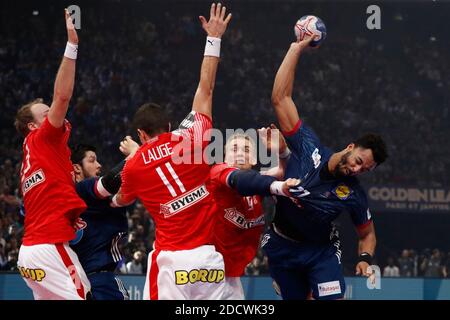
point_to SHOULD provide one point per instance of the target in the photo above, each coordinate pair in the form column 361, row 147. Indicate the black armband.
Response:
column 112, row 180
column 366, row 257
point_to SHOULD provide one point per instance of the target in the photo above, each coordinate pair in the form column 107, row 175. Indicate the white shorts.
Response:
column 196, row 274
column 53, row 272
column 233, row 289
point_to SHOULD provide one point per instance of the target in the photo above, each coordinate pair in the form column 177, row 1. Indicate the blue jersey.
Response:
column 100, row 231
column 309, row 215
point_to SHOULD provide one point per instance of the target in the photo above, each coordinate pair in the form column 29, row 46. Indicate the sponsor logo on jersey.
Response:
column 316, row 158
column 238, row 219
column 33, row 274
column 184, row 201
column 203, row 275
column 342, row 191
column 188, row 122
column 33, row 180
column 329, row 288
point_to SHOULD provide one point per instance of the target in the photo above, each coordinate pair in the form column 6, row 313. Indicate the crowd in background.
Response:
column 356, row 82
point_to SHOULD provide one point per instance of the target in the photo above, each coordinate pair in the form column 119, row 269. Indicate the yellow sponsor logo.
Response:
column 342, row 191
column 33, row 274
column 195, row 275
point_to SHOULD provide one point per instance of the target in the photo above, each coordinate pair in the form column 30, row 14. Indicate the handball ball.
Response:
column 308, row 25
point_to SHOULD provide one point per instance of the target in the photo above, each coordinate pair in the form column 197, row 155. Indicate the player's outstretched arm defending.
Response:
column 215, row 28
column 65, row 77
column 282, row 102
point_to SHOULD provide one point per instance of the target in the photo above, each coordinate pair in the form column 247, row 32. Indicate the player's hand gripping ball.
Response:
column 311, row 25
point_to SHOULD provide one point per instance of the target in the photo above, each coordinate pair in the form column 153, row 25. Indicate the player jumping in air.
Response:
column 302, row 246
column 184, row 264
column 46, row 262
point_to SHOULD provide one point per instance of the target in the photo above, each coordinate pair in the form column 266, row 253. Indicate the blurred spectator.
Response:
column 406, row 264
column 432, row 266
column 391, row 270
column 135, row 266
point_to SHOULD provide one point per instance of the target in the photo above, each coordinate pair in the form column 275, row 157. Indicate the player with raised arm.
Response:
column 303, row 246
column 46, row 262
column 184, row 264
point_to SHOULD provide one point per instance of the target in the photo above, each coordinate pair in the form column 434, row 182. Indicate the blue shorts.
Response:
column 301, row 268
column 107, row 286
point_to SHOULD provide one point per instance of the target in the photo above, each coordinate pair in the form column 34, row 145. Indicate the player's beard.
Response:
column 339, row 171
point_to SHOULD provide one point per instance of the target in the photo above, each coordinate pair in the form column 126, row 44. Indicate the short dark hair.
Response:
column 79, row 152
column 151, row 118
column 375, row 143
column 24, row 117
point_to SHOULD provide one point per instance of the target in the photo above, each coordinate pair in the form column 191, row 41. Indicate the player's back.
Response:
column 175, row 194
column 51, row 203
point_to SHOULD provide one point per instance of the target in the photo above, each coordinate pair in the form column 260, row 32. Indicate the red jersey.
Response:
column 174, row 192
column 46, row 177
column 240, row 222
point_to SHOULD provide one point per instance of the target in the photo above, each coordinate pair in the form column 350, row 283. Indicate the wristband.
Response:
column 71, row 51
column 366, row 257
column 276, row 188
column 286, row 153
column 212, row 47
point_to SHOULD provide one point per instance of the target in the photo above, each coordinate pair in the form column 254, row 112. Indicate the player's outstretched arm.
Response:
column 215, row 28
column 366, row 248
column 282, row 102
column 65, row 77
column 251, row 182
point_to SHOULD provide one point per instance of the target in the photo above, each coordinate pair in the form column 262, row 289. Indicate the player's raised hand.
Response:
column 272, row 138
column 217, row 23
column 303, row 44
column 72, row 36
column 128, row 146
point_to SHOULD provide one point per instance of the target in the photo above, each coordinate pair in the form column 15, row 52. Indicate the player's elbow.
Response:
column 278, row 99
column 205, row 90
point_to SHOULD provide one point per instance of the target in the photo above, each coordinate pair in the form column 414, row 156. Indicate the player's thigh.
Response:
column 292, row 283
column 233, row 289
column 53, row 272
column 326, row 277
column 185, row 274
column 107, row 286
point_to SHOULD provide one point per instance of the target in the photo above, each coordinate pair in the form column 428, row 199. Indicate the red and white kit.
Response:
column 52, row 207
column 240, row 222
column 179, row 200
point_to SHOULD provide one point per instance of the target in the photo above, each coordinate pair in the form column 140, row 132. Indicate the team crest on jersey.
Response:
column 184, row 201
column 238, row 219
column 342, row 191
column 79, row 226
column 33, row 180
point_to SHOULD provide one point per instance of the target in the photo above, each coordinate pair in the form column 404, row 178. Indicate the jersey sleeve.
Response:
column 126, row 189
column 302, row 139
column 220, row 172
column 360, row 212
column 50, row 133
column 86, row 189
column 196, row 127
